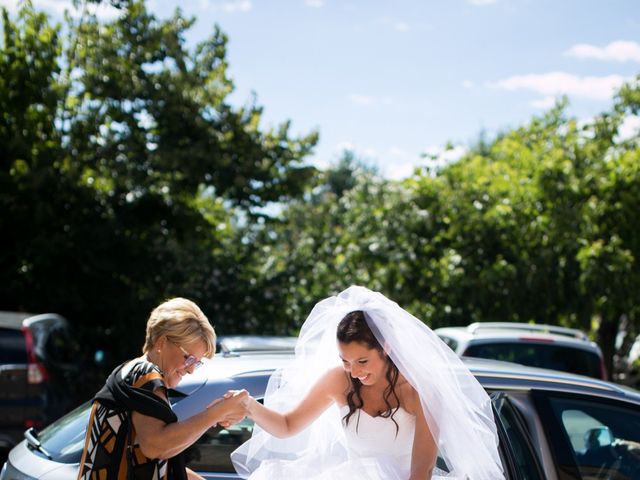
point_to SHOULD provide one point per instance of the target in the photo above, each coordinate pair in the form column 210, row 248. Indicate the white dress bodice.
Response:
column 379, row 438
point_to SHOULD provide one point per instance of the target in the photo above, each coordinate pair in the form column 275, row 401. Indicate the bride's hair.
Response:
column 353, row 328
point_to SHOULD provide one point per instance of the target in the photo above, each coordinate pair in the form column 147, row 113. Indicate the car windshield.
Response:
column 541, row 355
column 64, row 438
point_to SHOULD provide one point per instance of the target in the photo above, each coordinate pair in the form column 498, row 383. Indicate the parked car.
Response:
column 552, row 425
column 236, row 344
column 626, row 361
column 534, row 345
column 38, row 367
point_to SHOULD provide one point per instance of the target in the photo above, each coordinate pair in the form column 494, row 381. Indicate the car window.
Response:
column 453, row 344
column 211, row 453
column 61, row 347
column 12, row 347
column 523, row 457
column 541, row 355
column 64, row 438
column 603, row 437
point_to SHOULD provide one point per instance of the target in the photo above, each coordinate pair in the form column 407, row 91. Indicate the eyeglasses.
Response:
column 189, row 360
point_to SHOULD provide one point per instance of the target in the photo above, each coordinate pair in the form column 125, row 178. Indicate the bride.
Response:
column 372, row 393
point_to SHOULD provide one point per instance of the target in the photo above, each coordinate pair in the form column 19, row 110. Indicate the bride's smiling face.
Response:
column 366, row 364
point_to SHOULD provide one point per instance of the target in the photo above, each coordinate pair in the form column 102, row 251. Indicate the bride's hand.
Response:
column 247, row 402
column 234, row 405
column 243, row 401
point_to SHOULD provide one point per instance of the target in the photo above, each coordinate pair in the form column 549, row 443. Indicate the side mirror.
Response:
column 598, row 437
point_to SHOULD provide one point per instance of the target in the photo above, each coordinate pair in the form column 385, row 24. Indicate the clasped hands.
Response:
column 234, row 405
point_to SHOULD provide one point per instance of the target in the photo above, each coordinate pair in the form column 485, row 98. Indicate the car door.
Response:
column 592, row 437
column 516, row 450
column 13, row 384
column 210, row 455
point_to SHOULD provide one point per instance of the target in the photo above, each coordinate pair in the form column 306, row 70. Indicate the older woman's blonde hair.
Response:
column 182, row 322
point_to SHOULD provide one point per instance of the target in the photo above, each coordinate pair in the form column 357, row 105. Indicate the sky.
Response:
column 392, row 80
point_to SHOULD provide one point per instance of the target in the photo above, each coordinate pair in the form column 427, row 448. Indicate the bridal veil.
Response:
column 457, row 409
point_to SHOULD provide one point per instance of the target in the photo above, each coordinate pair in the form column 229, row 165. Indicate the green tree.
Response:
column 129, row 177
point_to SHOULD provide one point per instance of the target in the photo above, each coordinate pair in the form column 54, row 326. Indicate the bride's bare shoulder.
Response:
column 336, row 381
column 409, row 398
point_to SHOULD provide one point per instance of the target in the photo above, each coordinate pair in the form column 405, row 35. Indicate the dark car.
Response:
column 38, row 367
column 552, row 425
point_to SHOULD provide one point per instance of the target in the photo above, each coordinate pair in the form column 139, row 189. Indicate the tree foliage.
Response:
column 127, row 176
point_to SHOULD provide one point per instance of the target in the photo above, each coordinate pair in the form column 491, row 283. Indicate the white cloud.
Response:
column 314, row 3
column 226, row 6
column 560, row 83
column 10, row 5
column 398, row 163
column 57, row 8
column 544, row 103
column 103, row 11
column 619, row 51
column 441, row 156
column 629, row 128
column 468, row 84
column 342, row 146
column 237, row 6
column 481, row 3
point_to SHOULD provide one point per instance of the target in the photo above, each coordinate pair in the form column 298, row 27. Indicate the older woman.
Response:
column 132, row 431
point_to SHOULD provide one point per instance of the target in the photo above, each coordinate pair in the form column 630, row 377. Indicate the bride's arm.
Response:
column 425, row 449
column 319, row 398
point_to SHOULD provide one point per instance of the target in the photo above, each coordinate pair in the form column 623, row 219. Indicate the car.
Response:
column 534, row 345
column 38, row 369
column 626, row 361
column 551, row 425
column 236, row 344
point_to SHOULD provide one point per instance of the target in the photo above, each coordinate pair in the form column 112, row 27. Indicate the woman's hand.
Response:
column 232, row 406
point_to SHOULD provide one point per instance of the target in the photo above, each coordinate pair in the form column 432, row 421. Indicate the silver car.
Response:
column 533, row 345
column 552, row 425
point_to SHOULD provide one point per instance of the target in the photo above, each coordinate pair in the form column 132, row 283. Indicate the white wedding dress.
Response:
column 377, row 449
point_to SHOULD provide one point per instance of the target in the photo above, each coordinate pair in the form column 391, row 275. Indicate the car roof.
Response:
column 491, row 334
column 17, row 320
column 490, row 373
column 506, row 375
column 13, row 319
column 228, row 344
